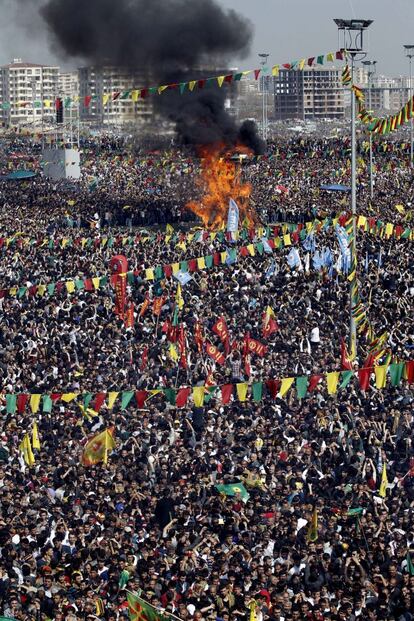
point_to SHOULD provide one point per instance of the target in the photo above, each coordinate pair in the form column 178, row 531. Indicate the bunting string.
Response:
column 372, row 225
column 199, row 396
column 134, row 94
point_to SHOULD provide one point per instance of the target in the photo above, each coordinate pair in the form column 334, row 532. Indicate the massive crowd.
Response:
column 74, row 539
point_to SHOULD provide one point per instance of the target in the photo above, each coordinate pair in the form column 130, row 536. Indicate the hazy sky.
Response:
column 287, row 29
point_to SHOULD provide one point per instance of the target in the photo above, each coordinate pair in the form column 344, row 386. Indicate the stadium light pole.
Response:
column 409, row 52
column 264, row 56
column 352, row 31
column 371, row 64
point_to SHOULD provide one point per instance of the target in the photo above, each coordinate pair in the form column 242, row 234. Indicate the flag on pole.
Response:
column 96, row 450
column 269, row 325
column 232, row 217
column 26, row 448
column 384, row 482
column 35, row 437
column 220, row 328
column 346, row 362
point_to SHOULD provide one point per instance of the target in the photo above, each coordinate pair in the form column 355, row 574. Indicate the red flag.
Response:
column 269, row 325
column 182, row 397
column 209, row 380
column 183, row 350
column 99, row 400
column 157, row 306
column 120, row 294
column 144, row 306
column 22, row 399
column 144, row 359
column 272, row 386
column 214, row 353
column 346, row 363
column 129, row 317
column 409, row 367
column 198, row 336
column 221, row 329
column 226, row 392
column 313, row 382
column 364, row 377
column 254, row 347
column 140, row 397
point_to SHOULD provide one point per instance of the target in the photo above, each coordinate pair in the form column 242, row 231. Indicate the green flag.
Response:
column 410, row 564
column 396, row 372
column 257, row 390
column 232, row 489
column 139, row 610
column 302, row 386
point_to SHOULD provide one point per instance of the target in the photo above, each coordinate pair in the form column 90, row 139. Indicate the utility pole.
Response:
column 409, row 52
column 352, row 31
column 371, row 71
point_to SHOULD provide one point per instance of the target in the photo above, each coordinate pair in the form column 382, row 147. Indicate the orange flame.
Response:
column 220, row 181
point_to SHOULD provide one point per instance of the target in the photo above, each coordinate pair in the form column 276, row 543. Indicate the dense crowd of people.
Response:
column 75, row 539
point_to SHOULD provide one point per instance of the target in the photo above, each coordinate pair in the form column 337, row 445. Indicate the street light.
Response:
column 371, row 64
column 264, row 58
column 409, row 52
column 352, row 31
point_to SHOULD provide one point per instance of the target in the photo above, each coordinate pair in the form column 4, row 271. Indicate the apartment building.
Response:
column 311, row 94
column 27, row 93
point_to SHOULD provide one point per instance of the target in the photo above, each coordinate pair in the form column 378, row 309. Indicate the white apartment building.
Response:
column 27, row 93
column 99, row 81
column 69, row 85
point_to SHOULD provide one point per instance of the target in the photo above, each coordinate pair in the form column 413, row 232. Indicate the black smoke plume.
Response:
column 165, row 38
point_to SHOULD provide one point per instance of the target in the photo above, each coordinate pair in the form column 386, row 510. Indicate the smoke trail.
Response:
column 160, row 34
column 166, row 39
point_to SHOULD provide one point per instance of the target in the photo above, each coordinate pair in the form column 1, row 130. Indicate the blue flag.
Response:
column 232, row 217
column 183, row 277
column 293, row 258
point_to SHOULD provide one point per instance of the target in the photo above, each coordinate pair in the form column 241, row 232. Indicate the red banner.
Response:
column 214, row 353
column 198, row 336
column 221, row 329
column 157, row 306
column 254, row 347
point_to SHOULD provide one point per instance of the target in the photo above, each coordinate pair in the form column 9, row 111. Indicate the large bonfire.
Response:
column 220, row 180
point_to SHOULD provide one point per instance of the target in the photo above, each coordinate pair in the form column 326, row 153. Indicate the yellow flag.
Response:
column 250, row 248
column 252, row 606
column 362, row 221
column 286, row 240
column 97, row 448
column 179, row 298
column 332, row 382
column 201, row 263
column 169, row 229
column 149, row 274
column 96, row 282
column 220, row 80
column 111, row 399
column 105, row 99
column 135, row 95
column 275, row 70
column 26, row 448
column 242, row 391
column 223, row 256
column 34, row 403
column 381, row 375
column 389, row 229
column 67, row 397
column 384, row 482
column 175, row 267
column 198, row 396
column 400, row 208
column 285, row 385
column 70, row 286
column 173, row 352
column 35, row 436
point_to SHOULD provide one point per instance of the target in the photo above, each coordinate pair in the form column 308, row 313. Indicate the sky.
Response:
column 286, row 29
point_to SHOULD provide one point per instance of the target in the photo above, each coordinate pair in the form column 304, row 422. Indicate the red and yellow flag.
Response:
column 214, row 353
column 221, row 329
column 97, row 448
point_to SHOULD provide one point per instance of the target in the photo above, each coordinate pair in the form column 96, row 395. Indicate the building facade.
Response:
column 100, row 81
column 27, row 93
column 311, row 94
